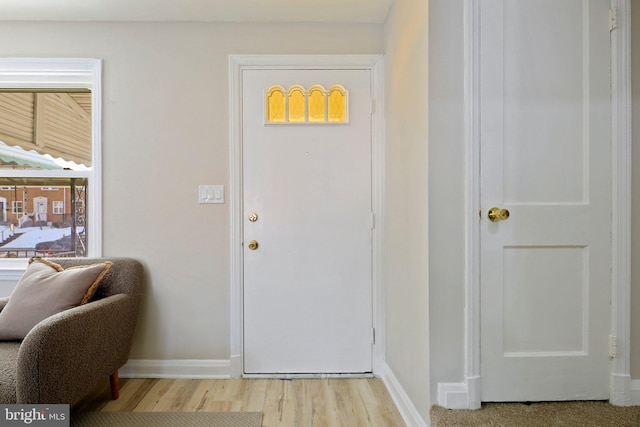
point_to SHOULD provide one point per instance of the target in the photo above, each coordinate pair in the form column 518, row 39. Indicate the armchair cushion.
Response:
column 46, row 289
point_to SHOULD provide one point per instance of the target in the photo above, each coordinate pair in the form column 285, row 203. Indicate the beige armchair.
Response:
column 67, row 355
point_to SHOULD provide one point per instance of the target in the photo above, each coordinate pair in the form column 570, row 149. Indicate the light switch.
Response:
column 211, row 193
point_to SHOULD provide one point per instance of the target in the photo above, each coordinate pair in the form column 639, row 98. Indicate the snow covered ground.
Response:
column 31, row 236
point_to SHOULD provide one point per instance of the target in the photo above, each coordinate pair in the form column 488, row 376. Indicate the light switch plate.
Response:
column 211, row 194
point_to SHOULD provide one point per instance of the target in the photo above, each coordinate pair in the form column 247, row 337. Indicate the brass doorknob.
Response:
column 253, row 217
column 497, row 214
column 253, row 245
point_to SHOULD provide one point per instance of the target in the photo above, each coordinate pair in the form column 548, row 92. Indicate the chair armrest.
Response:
column 3, row 302
column 67, row 355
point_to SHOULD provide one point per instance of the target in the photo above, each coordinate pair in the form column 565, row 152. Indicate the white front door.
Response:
column 546, row 158
column 40, row 209
column 307, row 206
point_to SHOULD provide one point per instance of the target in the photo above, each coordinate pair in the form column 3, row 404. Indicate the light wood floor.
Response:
column 299, row 402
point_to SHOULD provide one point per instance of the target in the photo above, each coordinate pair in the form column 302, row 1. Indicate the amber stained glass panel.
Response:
column 296, row 106
column 337, row 106
column 316, row 106
column 276, row 107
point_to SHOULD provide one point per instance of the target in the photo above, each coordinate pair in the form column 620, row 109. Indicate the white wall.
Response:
column 165, row 130
column 407, row 210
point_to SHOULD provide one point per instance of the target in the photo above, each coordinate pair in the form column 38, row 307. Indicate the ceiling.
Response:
column 339, row 11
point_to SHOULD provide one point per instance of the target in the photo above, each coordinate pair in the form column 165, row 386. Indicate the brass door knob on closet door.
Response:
column 497, row 214
column 253, row 245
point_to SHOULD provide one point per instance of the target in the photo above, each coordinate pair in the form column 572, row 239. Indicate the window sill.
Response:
column 13, row 269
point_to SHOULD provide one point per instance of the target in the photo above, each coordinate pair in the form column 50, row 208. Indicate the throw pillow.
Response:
column 46, row 289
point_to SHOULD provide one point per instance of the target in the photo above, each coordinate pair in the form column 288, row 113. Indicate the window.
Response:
column 58, row 207
column 16, row 207
column 50, row 157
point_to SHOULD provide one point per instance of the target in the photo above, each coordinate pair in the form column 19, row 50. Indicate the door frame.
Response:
column 239, row 63
column 468, row 394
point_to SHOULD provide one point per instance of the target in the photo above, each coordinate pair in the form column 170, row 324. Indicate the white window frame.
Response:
column 57, row 207
column 17, row 207
column 62, row 73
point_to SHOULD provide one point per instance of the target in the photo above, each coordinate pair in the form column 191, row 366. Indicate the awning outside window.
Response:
column 18, row 156
column 55, row 124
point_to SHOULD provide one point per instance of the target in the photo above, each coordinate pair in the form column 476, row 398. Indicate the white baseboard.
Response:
column 184, row 368
column 635, row 392
column 453, row 395
column 405, row 406
column 621, row 390
column 460, row 395
column 474, row 393
column 236, row 366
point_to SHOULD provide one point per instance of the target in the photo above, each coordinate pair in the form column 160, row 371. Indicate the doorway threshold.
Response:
column 309, row 376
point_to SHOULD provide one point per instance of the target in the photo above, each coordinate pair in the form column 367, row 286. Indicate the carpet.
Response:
column 166, row 419
column 542, row 414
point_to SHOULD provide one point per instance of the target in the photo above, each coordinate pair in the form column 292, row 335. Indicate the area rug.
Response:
column 543, row 414
column 166, row 419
